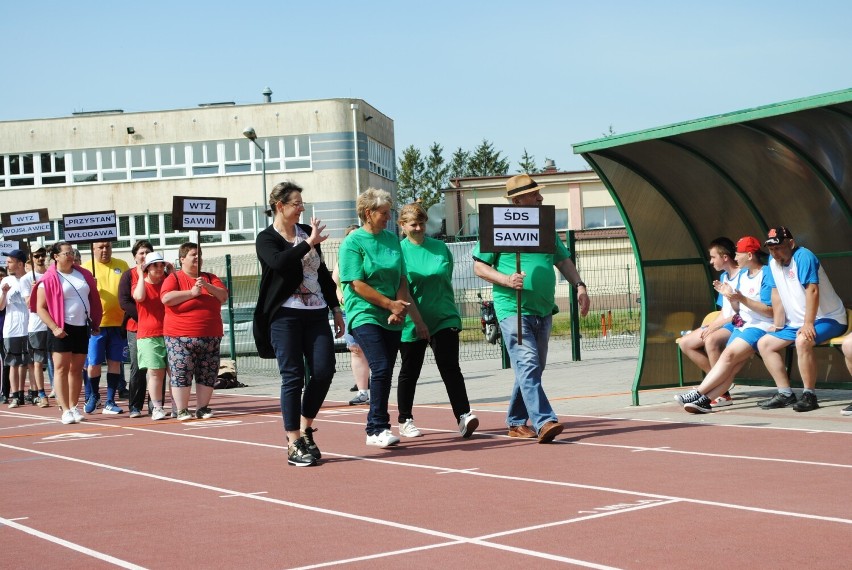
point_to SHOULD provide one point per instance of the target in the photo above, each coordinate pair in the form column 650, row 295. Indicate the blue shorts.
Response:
column 729, row 327
column 108, row 345
column 826, row 329
column 749, row 334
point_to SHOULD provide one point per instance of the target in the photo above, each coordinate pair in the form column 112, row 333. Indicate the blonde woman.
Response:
column 429, row 271
column 376, row 297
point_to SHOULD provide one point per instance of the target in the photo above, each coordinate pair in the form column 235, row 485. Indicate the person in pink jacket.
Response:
column 66, row 300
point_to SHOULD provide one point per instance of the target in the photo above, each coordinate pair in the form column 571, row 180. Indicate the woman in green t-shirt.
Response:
column 429, row 272
column 376, row 301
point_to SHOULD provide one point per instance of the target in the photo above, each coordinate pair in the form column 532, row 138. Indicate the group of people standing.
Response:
column 170, row 319
column 764, row 310
column 398, row 298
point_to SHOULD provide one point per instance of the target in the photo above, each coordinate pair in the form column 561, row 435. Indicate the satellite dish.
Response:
column 435, row 224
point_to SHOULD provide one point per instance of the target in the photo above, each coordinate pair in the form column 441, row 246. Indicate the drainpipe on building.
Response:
column 354, row 107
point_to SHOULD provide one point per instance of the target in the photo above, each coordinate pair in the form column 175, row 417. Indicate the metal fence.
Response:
column 606, row 263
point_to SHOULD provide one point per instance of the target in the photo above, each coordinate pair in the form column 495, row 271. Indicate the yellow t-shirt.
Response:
column 107, row 276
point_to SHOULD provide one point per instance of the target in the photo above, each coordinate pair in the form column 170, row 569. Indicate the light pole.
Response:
column 252, row 136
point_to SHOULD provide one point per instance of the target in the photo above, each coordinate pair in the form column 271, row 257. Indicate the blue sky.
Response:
column 539, row 75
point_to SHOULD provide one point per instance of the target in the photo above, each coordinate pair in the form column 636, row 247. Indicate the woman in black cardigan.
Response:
column 291, row 316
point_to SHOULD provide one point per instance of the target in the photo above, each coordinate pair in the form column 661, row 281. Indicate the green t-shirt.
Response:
column 538, row 294
column 375, row 259
column 429, row 271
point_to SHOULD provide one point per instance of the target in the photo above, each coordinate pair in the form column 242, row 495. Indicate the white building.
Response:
column 134, row 163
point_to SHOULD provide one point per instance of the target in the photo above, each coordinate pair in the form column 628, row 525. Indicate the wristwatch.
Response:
column 579, row 284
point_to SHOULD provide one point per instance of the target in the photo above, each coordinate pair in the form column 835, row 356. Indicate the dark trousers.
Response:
column 445, row 347
column 300, row 335
column 380, row 346
column 138, row 376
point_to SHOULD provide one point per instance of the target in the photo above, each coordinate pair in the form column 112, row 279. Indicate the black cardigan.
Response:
column 281, row 275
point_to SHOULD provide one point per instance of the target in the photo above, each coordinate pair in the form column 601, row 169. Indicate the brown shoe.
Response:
column 548, row 431
column 523, row 431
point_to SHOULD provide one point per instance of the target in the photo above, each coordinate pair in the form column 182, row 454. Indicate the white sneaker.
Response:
column 67, row 417
column 383, row 439
column 408, row 429
column 467, row 424
column 722, row 401
column 158, row 414
column 78, row 416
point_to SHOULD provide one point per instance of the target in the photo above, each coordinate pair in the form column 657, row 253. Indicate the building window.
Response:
column 561, row 220
column 21, row 172
column 53, row 168
column 601, row 217
column 471, row 228
column 380, row 159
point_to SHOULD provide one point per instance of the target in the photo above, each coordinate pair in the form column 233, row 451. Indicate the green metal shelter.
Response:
column 680, row 186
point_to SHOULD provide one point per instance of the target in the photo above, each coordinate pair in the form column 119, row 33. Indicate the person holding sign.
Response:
column 67, row 300
column 429, row 271
column 193, row 329
column 291, row 317
column 537, row 284
column 375, row 292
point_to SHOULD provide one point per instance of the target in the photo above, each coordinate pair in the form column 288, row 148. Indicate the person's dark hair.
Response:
column 281, row 193
column 141, row 243
column 725, row 246
column 56, row 248
column 349, row 229
column 186, row 248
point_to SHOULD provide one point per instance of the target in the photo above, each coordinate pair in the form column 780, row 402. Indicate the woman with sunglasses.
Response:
column 291, row 317
column 67, row 301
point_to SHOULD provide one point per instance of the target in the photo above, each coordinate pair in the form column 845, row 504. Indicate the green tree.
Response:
column 435, row 177
column 459, row 164
column 527, row 163
column 485, row 161
column 409, row 176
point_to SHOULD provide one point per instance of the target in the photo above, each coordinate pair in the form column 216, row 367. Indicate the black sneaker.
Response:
column 299, row 456
column 310, row 445
column 688, row 397
column 204, row 413
column 807, row 403
column 779, row 400
column 354, row 388
column 699, row 406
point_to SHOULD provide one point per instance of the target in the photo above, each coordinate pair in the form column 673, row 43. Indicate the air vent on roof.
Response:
column 219, row 104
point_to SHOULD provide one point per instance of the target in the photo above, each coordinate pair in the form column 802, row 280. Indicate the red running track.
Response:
column 608, row 493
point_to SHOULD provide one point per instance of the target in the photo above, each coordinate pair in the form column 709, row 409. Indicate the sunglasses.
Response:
column 38, row 256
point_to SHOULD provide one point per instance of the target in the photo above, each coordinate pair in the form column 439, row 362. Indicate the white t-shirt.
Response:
column 76, row 293
column 721, row 301
column 757, row 289
column 36, row 324
column 17, row 313
column 790, row 281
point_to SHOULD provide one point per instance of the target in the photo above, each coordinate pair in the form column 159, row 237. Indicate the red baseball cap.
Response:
column 748, row 244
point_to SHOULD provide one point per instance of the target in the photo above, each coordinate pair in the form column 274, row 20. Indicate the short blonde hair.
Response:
column 413, row 212
column 371, row 199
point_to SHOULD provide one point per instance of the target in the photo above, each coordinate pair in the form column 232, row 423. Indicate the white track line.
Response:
column 455, row 539
column 70, row 545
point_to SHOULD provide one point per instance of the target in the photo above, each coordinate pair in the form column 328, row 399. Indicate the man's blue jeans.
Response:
column 380, row 346
column 528, row 402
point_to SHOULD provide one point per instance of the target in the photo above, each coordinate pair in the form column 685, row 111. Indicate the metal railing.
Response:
column 606, row 263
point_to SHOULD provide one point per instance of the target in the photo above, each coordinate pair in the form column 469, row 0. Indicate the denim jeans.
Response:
column 528, row 402
column 380, row 346
column 300, row 335
column 445, row 347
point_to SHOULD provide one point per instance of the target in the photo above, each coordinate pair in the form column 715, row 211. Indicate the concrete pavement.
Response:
column 600, row 386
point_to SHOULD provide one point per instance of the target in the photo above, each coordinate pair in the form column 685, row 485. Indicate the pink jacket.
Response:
column 56, row 300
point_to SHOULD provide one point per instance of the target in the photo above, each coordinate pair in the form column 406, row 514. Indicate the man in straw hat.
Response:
column 538, row 283
column 814, row 313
